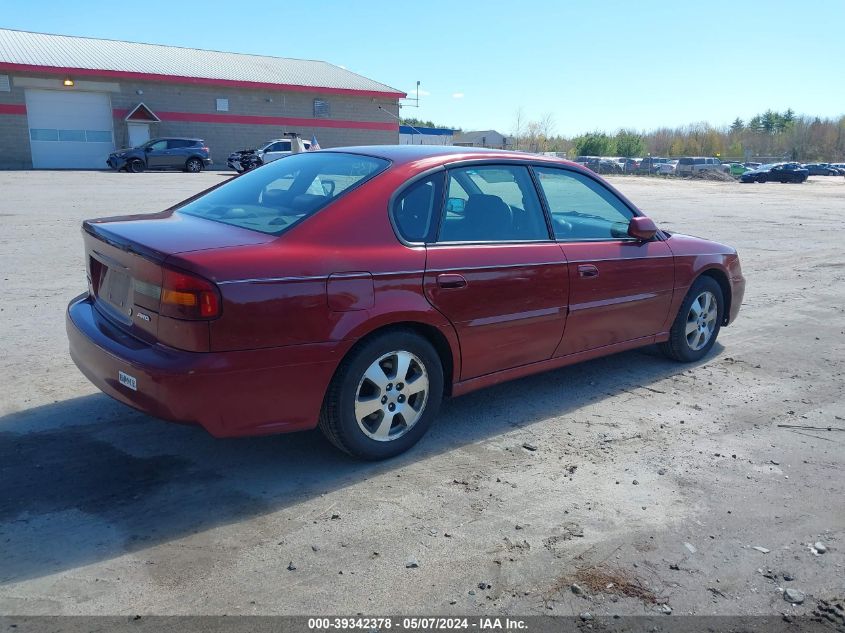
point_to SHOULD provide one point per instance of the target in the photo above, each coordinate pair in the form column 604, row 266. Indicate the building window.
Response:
column 4, row 84
column 222, row 105
column 321, row 109
column 38, row 134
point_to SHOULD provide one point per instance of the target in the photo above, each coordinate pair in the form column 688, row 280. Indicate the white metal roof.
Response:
column 24, row 48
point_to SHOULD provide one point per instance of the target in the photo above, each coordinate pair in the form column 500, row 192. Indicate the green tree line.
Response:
column 770, row 133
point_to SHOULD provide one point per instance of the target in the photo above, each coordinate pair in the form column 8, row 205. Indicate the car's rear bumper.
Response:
column 252, row 392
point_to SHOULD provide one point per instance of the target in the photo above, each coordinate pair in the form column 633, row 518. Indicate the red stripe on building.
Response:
column 199, row 117
column 12, row 108
column 232, row 83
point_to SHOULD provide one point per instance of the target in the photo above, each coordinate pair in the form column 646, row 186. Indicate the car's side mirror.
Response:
column 455, row 205
column 148, row 148
column 642, row 228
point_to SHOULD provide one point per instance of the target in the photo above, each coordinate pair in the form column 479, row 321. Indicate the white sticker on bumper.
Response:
column 127, row 381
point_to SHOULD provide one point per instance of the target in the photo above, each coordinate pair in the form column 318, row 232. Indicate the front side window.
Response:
column 280, row 194
column 492, row 204
column 157, row 145
column 581, row 208
column 415, row 209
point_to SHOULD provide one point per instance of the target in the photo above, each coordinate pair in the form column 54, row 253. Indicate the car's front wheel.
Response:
column 697, row 323
column 135, row 166
column 384, row 396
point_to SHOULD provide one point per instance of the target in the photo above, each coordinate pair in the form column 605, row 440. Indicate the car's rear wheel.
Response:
column 193, row 165
column 135, row 166
column 697, row 323
column 383, row 396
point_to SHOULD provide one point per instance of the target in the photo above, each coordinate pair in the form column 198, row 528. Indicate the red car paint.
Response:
column 294, row 305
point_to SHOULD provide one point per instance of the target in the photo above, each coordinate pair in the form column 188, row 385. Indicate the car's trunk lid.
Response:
column 125, row 258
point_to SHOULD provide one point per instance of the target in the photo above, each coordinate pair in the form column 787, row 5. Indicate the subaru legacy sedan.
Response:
column 353, row 289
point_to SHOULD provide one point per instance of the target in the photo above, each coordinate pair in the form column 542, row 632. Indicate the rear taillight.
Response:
column 187, row 296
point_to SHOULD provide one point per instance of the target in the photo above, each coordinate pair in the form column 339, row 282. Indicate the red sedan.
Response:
column 353, row 289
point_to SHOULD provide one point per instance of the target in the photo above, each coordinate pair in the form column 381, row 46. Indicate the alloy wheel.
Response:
column 391, row 396
column 701, row 320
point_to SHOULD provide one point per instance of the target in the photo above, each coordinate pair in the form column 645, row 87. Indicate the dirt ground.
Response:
column 651, row 483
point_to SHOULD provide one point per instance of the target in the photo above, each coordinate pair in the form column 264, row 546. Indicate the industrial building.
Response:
column 416, row 135
column 67, row 102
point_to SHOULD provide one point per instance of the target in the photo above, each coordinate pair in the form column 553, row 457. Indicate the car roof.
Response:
column 174, row 138
column 442, row 154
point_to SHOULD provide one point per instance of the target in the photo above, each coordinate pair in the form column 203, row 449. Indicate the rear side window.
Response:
column 492, row 204
column 277, row 196
column 415, row 210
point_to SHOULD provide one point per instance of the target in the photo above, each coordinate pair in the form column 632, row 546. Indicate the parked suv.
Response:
column 694, row 164
column 651, row 164
column 246, row 159
column 187, row 154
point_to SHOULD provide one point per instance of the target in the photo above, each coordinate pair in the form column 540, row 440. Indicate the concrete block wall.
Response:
column 15, row 152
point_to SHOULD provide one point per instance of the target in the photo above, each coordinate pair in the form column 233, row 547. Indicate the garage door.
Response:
column 69, row 129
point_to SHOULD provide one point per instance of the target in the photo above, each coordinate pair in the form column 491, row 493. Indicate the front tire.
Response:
column 384, row 396
column 698, row 322
column 135, row 166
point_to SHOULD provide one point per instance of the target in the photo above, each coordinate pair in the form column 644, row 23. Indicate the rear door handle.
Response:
column 587, row 270
column 449, row 280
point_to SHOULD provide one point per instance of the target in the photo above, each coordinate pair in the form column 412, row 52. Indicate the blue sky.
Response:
column 591, row 65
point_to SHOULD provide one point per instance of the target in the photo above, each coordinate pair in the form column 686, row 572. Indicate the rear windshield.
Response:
column 274, row 197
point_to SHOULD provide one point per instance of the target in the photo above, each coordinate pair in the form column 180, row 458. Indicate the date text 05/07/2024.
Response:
column 417, row 623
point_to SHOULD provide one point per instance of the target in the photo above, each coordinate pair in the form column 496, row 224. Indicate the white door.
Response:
column 69, row 129
column 139, row 133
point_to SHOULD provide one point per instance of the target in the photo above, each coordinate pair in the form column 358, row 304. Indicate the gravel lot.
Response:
column 651, row 483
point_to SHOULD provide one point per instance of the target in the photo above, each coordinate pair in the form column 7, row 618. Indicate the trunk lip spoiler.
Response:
column 129, row 246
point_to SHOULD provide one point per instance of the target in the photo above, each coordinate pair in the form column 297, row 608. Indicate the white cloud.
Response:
column 457, row 95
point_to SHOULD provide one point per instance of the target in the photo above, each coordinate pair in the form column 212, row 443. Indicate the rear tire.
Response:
column 697, row 323
column 384, row 396
column 193, row 165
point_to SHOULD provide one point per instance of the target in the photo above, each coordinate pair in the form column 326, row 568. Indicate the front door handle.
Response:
column 587, row 270
column 450, row 280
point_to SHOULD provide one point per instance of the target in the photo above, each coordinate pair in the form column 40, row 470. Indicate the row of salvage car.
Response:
column 690, row 165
